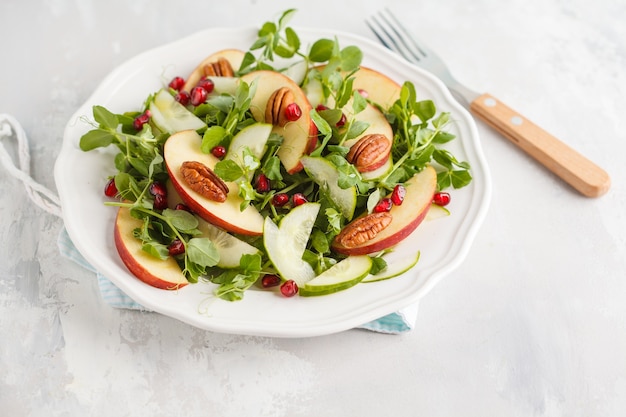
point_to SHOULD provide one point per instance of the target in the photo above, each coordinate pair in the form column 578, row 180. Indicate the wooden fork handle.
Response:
column 578, row 171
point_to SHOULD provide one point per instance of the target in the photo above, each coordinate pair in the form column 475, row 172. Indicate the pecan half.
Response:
column 368, row 151
column 276, row 105
column 204, row 181
column 220, row 68
column 363, row 229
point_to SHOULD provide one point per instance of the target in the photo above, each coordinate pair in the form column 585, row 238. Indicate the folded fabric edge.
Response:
column 395, row 323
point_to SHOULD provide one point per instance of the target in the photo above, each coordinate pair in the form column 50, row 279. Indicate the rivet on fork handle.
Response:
column 578, row 171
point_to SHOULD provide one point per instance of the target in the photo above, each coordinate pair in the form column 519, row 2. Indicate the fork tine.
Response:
column 388, row 35
column 407, row 35
column 395, row 36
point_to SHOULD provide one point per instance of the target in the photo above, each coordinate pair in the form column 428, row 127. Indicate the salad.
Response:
column 284, row 166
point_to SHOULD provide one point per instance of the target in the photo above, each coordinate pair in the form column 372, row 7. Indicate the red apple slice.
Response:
column 378, row 124
column 234, row 56
column 383, row 91
column 300, row 136
column 164, row 274
column 405, row 217
column 377, row 86
column 185, row 146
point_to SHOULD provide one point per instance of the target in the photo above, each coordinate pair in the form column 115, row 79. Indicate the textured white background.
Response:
column 533, row 323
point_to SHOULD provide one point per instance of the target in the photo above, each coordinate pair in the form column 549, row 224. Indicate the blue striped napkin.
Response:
column 394, row 323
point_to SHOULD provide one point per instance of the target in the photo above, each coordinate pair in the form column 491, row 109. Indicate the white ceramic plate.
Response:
column 80, row 177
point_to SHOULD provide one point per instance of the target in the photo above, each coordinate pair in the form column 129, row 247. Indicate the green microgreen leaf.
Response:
column 378, row 265
column 228, row 170
column 441, row 120
column 356, row 128
column 201, row 251
column 156, row 250
column 319, row 241
column 351, row 57
column 285, row 17
column 359, row 103
column 105, row 118
column 425, row 110
column 232, row 283
column 334, row 218
column 181, row 219
column 96, row 138
column 321, row 50
column 213, row 136
column 271, row 168
column 324, row 129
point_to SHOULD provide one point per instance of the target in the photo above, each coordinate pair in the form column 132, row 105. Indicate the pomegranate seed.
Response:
column 160, row 202
column 383, row 205
column 262, row 183
column 298, row 199
column 320, row 107
column 197, row 96
column 289, row 288
column 218, row 151
column 342, row 121
column 157, row 188
column 141, row 120
column 176, row 248
column 182, row 97
column 270, row 281
column 181, row 206
column 397, row 195
column 207, row 84
column 441, row 199
column 293, row 112
column 280, row 199
column 177, row 83
column 110, row 190
column 363, row 93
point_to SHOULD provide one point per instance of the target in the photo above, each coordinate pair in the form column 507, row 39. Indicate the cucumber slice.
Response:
column 253, row 137
column 297, row 71
column 340, row 276
column 395, row 266
column 326, row 176
column 170, row 116
column 314, row 91
column 285, row 243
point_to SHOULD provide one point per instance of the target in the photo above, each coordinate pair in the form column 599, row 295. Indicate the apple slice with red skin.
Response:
column 377, row 86
column 379, row 125
column 300, row 136
column 382, row 90
column 234, row 56
column 165, row 274
column 405, row 218
column 185, row 146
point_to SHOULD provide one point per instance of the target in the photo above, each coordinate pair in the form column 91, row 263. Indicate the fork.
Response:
column 572, row 167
